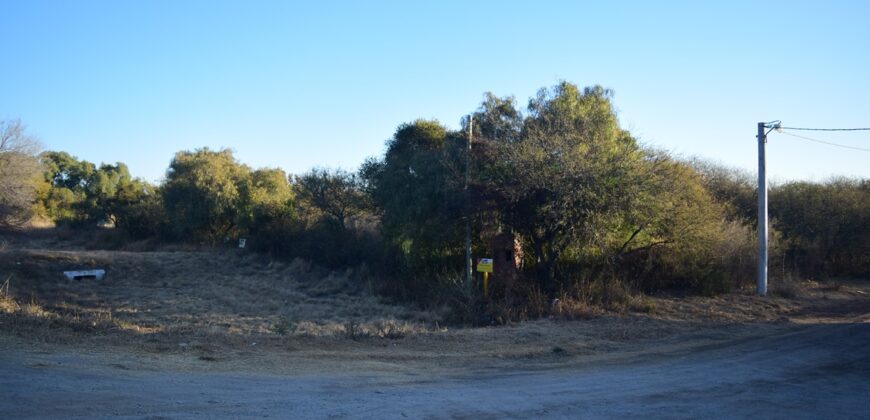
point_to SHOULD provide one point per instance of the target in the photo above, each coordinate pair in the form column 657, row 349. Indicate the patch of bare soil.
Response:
column 227, row 310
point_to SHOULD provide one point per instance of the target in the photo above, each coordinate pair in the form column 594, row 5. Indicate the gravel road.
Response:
column 811, row 371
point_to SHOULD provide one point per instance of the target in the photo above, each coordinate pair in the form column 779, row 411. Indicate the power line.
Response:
column 825, row 142
column 823, row 129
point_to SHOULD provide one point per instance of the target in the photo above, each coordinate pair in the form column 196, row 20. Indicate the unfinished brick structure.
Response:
column 507, row 255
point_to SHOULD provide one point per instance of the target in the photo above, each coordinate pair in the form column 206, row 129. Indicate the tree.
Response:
column 336, row 193
column 585, row 198
column 203, row 194
column 78, row 192
column 567, row 177
column 676, row 233
column 418, row 188
column 735, row 188
column 102, row 190
column 63, row 194
column 19, row 170
column 63, row 170
column 266, row 198
column 137, row 208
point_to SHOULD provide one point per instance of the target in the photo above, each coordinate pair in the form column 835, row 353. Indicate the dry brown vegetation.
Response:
column 218, row 292
column 239, row 308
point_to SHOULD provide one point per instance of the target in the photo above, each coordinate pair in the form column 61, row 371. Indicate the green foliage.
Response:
column 336, row 194
column 265, row 196
column 202, row 194
column 102, row 187
column 567, row 176
column 138, row 210
column 588, row 203
column 418, row 189
column 587, row 200
column 270, row 214
column 734, row 188
column 63, row 170
column 62, row 204
column 65, row 199
column 326, row 222
column 78, row 193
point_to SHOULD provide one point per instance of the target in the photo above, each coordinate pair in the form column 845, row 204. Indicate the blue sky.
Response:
column 325, row 83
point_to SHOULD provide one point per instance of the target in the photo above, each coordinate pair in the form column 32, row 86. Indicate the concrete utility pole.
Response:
column 762, row 211
column 467, row 206
column 762, row 204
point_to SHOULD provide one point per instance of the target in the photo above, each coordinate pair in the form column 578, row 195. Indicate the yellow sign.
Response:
column 484, row 265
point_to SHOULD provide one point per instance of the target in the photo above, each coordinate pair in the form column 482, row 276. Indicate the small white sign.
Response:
column 242, row 242
column 98, row 274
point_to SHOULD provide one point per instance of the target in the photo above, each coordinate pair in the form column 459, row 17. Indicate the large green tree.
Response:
column 203, row 193
column 63, row 196
column 418, row 189
column 266, row 198
column 579, row 190
column 570, row 173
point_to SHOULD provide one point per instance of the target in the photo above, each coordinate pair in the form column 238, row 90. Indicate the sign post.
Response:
column 484, row 265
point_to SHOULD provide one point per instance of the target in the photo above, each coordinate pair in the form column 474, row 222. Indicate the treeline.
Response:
column 584, row 212
column 210, row 198
column 817, row 229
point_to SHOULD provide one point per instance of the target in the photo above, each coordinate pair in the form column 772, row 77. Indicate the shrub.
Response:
column 825, row 226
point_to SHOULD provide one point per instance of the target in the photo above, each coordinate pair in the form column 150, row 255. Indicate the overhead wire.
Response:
column 823, row 141
column 823, row 129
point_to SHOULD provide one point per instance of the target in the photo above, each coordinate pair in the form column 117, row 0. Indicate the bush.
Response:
column 143, row 218
column 825, row 226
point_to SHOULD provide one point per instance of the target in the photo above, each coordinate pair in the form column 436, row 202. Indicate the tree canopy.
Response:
column 202, row 192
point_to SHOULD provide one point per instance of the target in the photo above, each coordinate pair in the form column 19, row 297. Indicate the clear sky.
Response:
column 325, row 83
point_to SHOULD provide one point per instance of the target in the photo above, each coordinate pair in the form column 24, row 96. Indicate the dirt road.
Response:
column 802, row 371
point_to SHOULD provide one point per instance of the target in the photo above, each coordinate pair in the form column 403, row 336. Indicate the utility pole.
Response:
column 762, row 203
column 467, row 207
column 762, row 211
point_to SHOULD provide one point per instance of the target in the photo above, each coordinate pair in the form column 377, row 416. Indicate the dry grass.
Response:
column 219, row 293
column 788, row 300
column 8, row 305
column 568, row 307
column 33, row 309
column 223, row 306
column 387, row 328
